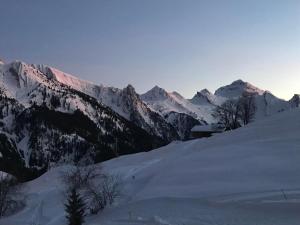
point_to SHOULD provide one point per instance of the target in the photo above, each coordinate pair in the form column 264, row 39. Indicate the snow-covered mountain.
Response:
column 237, row 88
column 126, row 102
column 44, row 120
column 205, row 97
column 165, row 102
column 266, row 103
column 177, row 110
column 242, row 177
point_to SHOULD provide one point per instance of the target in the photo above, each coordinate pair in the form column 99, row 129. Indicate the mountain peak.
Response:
column 205, row 92
column 129, row 86
column 156, row 93
column 295, row 101
column 130, row 90
column 158, row 89
column 239, row 82
column 237, row 88
column 203, row 97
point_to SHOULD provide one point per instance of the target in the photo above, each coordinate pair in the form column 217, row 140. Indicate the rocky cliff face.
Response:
column 295, row 101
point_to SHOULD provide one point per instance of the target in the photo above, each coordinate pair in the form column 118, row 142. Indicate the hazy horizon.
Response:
column 181, row 46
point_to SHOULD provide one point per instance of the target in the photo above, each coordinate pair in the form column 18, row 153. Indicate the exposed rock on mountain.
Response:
column 295, row 101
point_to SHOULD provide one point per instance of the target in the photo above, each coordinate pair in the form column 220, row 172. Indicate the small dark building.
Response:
column 201, row 131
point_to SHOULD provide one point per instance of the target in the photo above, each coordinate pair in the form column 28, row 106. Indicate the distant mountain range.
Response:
column 48, row 117
column 202, row 105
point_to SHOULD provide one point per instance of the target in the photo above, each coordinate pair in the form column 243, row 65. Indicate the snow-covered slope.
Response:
column 65, row 78
column 267, row 104
column 242, row 177
column 18, row 79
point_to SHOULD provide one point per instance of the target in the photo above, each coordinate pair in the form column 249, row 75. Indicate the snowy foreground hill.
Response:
column 242, row 177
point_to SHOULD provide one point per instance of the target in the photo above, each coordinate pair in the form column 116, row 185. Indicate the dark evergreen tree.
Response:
column 75, row 208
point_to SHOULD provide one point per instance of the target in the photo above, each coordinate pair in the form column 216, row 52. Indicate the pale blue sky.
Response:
column 182, row 45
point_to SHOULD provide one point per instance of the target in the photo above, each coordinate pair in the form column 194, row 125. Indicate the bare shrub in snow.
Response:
column 247, row 108
column 104, row 193
column 233, row 113
column 111, row 187
column 98, row 188
column 228, row 114
column 11, row 198
column 80, row 177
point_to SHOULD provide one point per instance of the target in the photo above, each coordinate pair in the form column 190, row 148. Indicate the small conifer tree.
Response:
column 75, row 208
